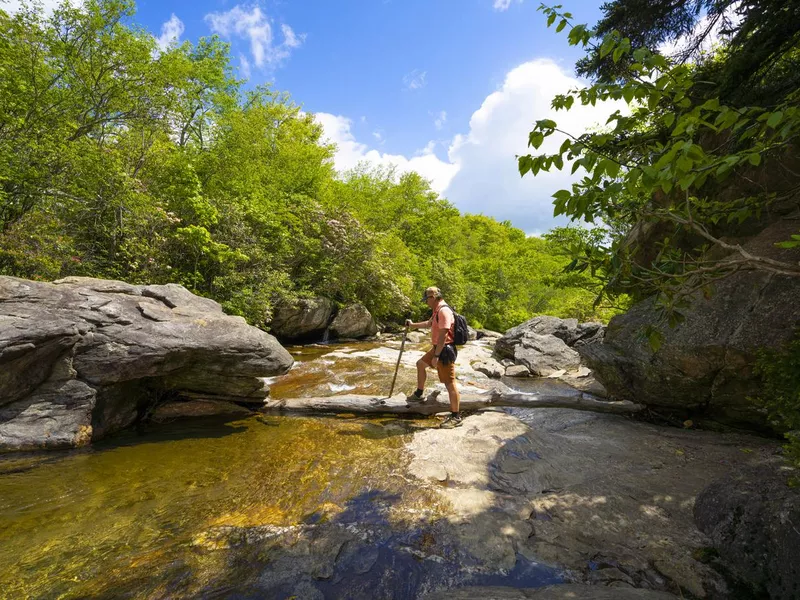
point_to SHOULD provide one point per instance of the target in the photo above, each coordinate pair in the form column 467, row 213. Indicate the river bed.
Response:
column 281, row 506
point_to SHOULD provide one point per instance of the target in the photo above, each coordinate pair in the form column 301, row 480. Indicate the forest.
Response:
column 121, row 161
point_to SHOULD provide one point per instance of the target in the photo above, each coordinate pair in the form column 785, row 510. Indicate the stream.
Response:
column 266, row 506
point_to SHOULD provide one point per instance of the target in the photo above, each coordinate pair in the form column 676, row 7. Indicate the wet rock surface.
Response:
column 555, row 592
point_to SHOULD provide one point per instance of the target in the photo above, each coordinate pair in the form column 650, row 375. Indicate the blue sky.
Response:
column 446, row 87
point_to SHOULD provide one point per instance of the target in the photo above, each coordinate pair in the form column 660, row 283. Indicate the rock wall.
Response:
column 704, row 365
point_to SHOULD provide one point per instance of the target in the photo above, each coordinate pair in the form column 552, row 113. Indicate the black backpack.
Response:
column 460, row 329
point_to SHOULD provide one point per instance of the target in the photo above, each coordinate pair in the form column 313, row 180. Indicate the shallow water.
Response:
column 150, row 513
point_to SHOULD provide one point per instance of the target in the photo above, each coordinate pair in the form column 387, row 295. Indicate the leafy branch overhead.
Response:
column 682, row 159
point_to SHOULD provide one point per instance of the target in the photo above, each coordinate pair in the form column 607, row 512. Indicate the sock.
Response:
column 419, row 393
column 456, row 414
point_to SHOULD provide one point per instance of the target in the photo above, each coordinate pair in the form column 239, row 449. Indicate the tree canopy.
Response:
column 122, row 160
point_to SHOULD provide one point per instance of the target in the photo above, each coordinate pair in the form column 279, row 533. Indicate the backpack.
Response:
column 460, row 329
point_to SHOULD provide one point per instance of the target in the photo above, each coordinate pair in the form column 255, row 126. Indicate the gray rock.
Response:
column 517, row 371
column 706, row 362
column 81, row 357
column 472, row 334
column 304, row 319
column 353, row 321
column 489, row 367
column 588, row 333
column 488, row 333
column 564, row 329
column 545, row 354
column 415, row 337
column 753, row 520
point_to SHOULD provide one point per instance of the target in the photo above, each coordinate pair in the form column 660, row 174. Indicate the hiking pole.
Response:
column 399, row 356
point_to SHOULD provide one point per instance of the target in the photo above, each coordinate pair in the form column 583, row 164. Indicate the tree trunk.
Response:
column 437, row 402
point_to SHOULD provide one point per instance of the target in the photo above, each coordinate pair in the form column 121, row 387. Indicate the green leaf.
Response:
column 669, row 119
column 628, row 93
column 535, row 139
column 608, row 44
column 655, row 338
column 775, row 119
column 524, row 164
column 754, row 159
column 561, row 25
column 562, row 195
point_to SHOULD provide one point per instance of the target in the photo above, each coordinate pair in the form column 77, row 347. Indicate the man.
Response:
column 441, row 357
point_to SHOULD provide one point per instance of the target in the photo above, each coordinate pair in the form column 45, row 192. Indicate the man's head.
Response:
column 432, row 296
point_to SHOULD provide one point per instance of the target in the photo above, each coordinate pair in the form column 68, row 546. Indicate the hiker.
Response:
column 442, row 356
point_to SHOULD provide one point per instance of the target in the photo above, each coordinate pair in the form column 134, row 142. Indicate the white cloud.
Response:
column 414, row 80
column 503, row 5
column 378, row 135
column 351, row 152
column 253, row 25
column 244, row 66
column 711, row 28
column 480, row 174
column 48, row 6
column 171, row 31
column 440, row 120
column 488, row 180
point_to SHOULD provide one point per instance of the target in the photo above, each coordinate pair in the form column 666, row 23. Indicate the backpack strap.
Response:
column 436, row 315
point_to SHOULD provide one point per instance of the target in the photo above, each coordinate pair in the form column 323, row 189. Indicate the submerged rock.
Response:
column 82, row 357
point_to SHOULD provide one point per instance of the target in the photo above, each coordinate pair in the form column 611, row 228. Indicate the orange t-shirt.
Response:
column 442, row 319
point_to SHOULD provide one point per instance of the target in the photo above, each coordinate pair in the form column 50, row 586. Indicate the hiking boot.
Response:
column 451, row 422
column 414, row 397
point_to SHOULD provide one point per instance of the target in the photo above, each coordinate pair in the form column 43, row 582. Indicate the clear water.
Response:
column 140, row 515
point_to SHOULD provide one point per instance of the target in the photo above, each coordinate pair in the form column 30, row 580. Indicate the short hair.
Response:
column 437, row 293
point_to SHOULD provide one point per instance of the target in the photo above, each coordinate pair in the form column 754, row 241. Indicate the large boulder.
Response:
column 81, row 357
column 753, row 520
column 545, row 354
column 303, row 320
column 704, row 365
column 353, row 321
column 569, row 331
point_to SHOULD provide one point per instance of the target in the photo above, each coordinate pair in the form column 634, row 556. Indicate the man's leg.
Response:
column 455, row 397
column 447, row 375
column 422, row 364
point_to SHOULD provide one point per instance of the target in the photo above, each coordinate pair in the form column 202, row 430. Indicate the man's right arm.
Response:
column 420, row 325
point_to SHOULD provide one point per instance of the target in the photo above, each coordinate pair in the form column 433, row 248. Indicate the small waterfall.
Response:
column 326, row 336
